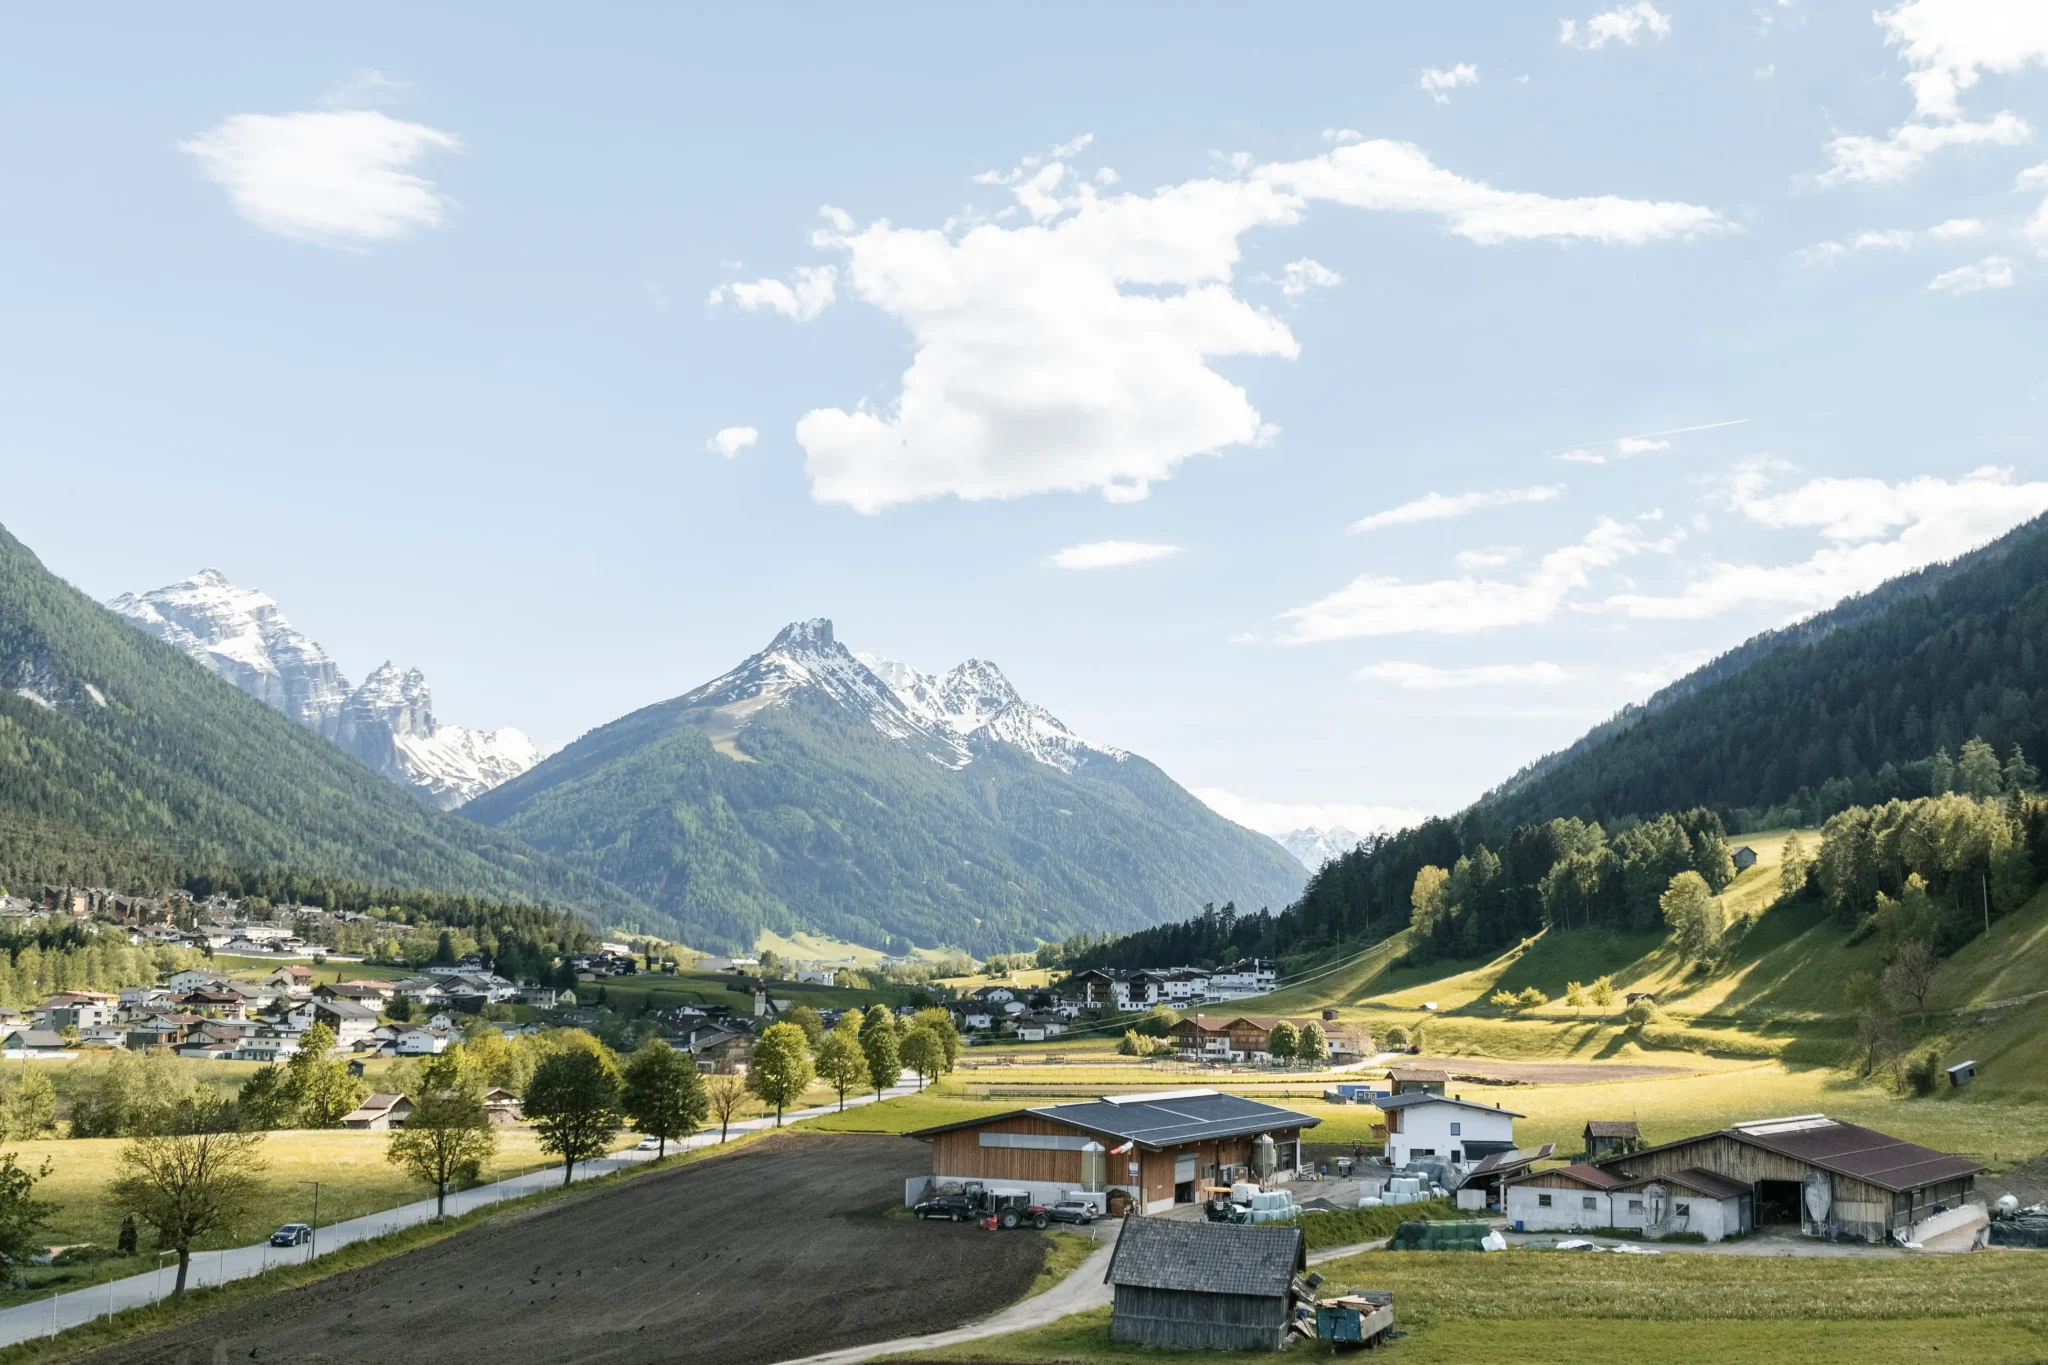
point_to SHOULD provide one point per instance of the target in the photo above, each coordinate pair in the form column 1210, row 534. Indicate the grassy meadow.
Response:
column 1553, row 1308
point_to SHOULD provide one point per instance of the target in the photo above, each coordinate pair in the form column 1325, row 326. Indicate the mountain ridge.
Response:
column 241, row 635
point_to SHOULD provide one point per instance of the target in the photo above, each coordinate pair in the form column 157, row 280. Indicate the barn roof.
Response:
column 1613, row 1128
column 1841, row 1148
column 1700, row 1180
column 1416, row 1099
column 1206, row 1258
column 1162, row 1119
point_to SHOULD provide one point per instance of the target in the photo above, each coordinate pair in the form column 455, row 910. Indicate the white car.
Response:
column 649, row 1144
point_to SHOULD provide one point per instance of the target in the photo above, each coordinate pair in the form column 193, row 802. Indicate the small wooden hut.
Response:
column 1213, row 1286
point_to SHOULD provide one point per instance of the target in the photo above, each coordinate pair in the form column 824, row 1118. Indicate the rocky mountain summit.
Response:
column 388, row 722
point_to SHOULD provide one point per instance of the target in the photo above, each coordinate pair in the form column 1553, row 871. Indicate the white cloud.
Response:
column 1426, row 678
column 1488, row 557
column 1373, row 605
column 1439, row 507
column 1882, row 160
column 1299, row 277
column 1993, row 272
column 1628, row 446
column 1246, row 637
column 1398, row 177
column 1892, row 239
column 1074, row 352
column 1638, row 445
column 1947, row 46
column 1820, row 253
column 1275, row 818
column 333, row 178
column 1439, row 84
column 1623, row 25
column 1110, row 554
column 1956, row 227
column 730, row 441
column 814, row 290
column 1875, row 531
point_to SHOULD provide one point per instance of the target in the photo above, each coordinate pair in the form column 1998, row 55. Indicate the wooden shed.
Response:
column 1611, row 1137
column 1204, row 1286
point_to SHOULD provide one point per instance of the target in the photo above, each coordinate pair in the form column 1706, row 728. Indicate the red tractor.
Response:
column 1011, row 1209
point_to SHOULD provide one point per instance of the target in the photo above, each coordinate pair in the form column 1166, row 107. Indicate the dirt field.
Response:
column 780, row 1250
column 1548, row 1073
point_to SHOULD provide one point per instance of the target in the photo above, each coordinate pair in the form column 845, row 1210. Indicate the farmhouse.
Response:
column 1159, row 1149
column 1215, row 1286
column 379, row 1112
column 1445, row 1128
column 1215, row 1037
column 1580, row 1198
column 1823, row 1176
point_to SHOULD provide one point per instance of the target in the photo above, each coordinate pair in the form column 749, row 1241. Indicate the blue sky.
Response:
column 1340, row 406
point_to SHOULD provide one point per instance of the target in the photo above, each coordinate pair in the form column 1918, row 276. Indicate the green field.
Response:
column 1552, row 1308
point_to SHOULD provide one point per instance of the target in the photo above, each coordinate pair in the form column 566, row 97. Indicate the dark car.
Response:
column 954, row 1207
column 291, row 1235
column 1072, row 1211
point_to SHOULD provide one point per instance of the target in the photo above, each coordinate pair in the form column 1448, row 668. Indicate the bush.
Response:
column 1644, row 1011
column 1530, row 998
column 1923, row 1075
column 1602, row 991
column 1343, row 1227
column 1503, row 1000
column 1395, row 1038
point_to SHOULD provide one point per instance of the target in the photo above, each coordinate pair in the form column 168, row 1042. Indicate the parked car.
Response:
column 291, row 1235
column 952, row 1207
column 1072, row 1211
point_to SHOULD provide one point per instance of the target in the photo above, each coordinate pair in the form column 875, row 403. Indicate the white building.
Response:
column 1581, row 1198
column 351, row 1022
column 1444, row 1128
column 421, row 1042
column 1252, row 976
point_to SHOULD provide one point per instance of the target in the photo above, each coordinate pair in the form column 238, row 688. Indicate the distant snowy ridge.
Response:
column 1313, row 847
column 388, row 722
column 948, row 716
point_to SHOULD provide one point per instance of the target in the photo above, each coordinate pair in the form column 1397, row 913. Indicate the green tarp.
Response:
column 1428, row 1235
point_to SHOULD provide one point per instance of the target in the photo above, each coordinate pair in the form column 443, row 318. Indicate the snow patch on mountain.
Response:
column 1313, row 847
column 388, row 722
column 948, row 715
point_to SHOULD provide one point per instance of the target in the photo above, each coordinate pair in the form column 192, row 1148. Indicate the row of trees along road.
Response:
column 865, row 1051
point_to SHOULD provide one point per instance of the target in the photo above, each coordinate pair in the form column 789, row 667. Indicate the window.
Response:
column 1542, row 1201
column 1590, row 1202
column 1635, row 1206
column 1457, row 1130
column 1682, row 1210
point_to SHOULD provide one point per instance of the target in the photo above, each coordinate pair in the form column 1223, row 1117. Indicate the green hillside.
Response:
column 1847, row 708
column 816, row 821
column 119, row 757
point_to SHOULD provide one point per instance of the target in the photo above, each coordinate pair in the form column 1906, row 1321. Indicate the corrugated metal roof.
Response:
column 1700, row 1180
column 1415, row 1099
column 1842, row 1148
column 1592, row 1177
column 1174, row 1117
column 1206, row 1258
column 1501, row 1162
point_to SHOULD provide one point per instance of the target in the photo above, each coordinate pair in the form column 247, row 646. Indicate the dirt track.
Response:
column 780, row 1250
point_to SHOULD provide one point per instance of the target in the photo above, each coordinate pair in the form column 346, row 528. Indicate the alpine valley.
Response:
column 811, row 788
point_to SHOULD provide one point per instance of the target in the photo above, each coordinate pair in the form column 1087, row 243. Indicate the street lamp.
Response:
column 313, row 1242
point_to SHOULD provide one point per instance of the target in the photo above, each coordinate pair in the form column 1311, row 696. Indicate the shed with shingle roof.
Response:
column 1203, row 1286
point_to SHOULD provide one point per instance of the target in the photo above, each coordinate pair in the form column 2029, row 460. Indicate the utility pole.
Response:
column 313, row 1242
column 1984, row 889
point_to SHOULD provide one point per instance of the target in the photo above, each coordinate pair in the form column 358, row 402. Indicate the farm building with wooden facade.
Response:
column 1160, row 1149
column 1204, row 1286
column 1828, row 1178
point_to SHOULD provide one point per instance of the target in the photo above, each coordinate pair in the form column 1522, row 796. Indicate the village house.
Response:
column 352, row 1023
column 79, row 1017
column 1445, row 1128
column 420, row 1042
column 502, row 1106
column 1252, row 976
column 293, row 977
column 1582, row 1198
column 1159, row 1149
column 378, row 1113
column 1227, row 1038
column 32, row 1042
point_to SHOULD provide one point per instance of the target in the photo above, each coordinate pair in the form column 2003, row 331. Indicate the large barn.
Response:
column 1204, row 1286
column 1159, row 1148
column 1823, row 1176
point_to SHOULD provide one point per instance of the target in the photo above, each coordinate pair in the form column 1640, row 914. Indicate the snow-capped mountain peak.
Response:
column 241, row 635
column 1313, row 847
column 947, row 714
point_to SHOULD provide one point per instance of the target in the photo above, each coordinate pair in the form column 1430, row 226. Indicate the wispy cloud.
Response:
column 730, row 441
column 1426, row 678
column 1623, row 25
column 1439, row 84
column 1444, row 507
column 1993, row 272
column 1302, row 276
column 810, row 294
column 1623, row 447
column 1110, row 554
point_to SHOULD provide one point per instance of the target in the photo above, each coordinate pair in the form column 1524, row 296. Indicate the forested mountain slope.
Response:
column 809, row 790
column 1846, row 708
column 118, row 755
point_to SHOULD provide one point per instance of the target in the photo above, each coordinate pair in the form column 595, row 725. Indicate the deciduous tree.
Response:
column 924, row 1053
column 841, row 1063
column 1696, row 917
column 1313, row 1047
column 447, row 1138
column 320, row 1089
column 878, row 1042
column 22, row 1216
column 189, row 1184
column 28, row 1104
column 664, row 1095
column 1282, row 1040
column 780, row 1069
column 573, row 1102
column 726, row 1093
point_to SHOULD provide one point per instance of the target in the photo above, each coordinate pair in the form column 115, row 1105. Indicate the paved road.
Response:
column 44, row 1317
column 1081, row 1290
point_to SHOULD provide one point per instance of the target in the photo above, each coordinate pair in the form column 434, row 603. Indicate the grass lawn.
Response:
column 1064, row 1253
column 906, row 1114
column 354, row 1180
column 663, row 991
column 1528, row 1307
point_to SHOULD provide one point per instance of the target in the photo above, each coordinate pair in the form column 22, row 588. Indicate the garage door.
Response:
column 1183, row 1169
